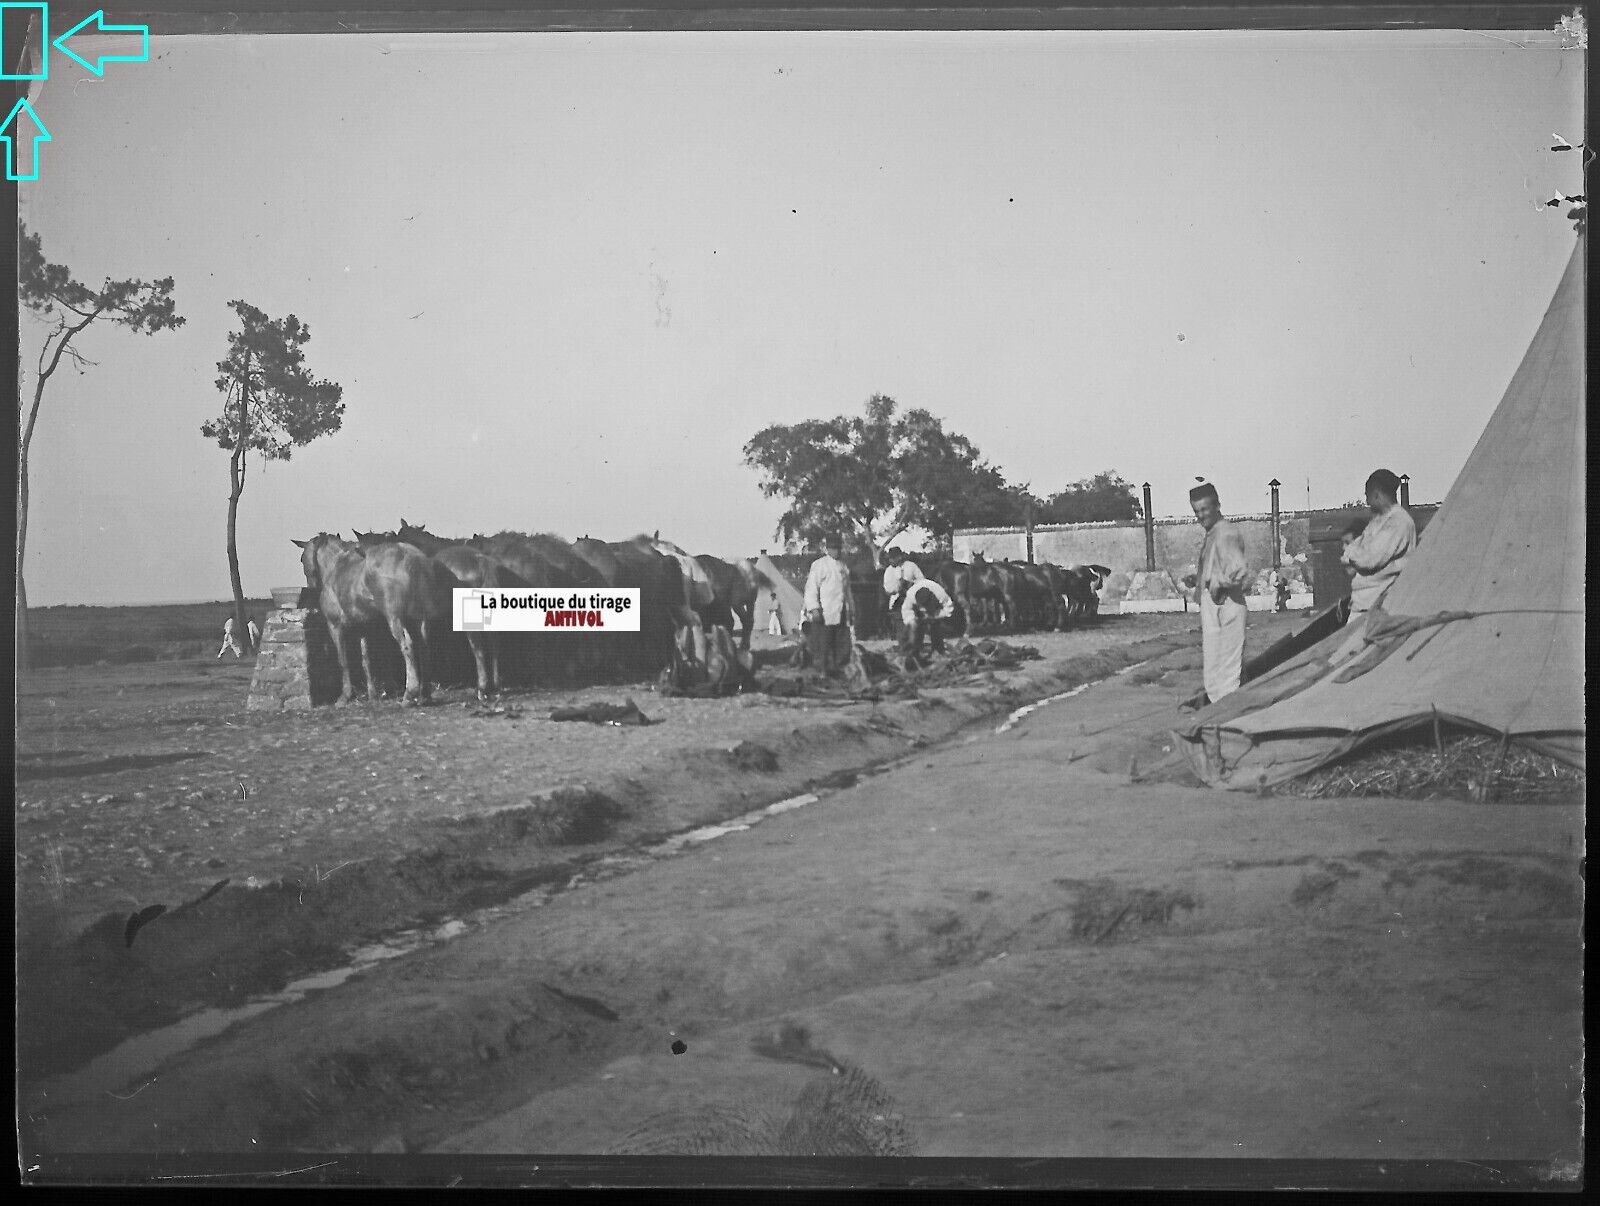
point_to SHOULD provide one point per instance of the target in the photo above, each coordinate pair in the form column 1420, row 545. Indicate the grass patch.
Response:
column 1103, row 910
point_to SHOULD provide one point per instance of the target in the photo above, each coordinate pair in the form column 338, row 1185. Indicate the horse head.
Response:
column 315, row 553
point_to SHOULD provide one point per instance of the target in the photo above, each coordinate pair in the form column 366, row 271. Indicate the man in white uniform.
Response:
column 1379, row 553
column 228, row 640
column 898, row 576
column 829, row 608
column 926, row 608
column 1219, row 588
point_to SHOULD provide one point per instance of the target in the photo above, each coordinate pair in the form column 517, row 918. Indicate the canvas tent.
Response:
column 789, row 600
column 1485, row 626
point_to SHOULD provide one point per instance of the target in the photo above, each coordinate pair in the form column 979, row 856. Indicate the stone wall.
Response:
column 1120, row 547
column 297, row 666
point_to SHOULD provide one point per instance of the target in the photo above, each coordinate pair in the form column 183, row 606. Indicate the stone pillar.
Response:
column 1277, row 520
column 296, row 666
column 1149, row 534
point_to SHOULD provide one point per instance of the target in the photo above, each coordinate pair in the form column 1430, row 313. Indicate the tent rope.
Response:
column 1386, row 630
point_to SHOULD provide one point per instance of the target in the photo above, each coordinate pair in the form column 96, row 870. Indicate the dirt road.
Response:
column 1036, row 940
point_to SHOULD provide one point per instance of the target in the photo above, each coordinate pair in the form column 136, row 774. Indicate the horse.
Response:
column 1079, row 586
column 467, row 568
column 1092, row 578
column 737, row 585
column 1058, row 579
column 667, row 619
column 390, row 585
column 702, row 592
column 956, row 578
column 991, row 592
column 1043, row 606
column 525, row 564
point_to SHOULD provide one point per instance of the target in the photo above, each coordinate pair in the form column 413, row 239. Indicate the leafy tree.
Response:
column 272, row 406
column 877, row 475
column 943, row 483
column 68, row 308
column 1105, row 496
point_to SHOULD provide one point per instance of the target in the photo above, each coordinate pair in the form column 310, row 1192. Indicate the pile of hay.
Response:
column 872, row 675
column 1459, row 766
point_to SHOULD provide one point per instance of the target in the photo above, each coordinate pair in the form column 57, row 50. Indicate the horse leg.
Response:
column 421, row 643
column 475, row 643
column 349, row 692
column 366, row 668
column 747, row 617
column 408, row 648
column 423, row 639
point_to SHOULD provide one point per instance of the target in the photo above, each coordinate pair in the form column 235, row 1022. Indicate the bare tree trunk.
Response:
column 23, row 661
column 236, row 465
column 240, row 620
column 63, row 336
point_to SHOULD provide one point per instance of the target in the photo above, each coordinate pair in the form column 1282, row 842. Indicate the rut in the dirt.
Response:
column 843, row 1112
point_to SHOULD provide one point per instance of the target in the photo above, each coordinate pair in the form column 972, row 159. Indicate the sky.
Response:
column 563, row 278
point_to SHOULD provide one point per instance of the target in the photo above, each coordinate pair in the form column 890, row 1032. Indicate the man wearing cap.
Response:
column 1219, row 588
column 829, row 608
column 1379, row 553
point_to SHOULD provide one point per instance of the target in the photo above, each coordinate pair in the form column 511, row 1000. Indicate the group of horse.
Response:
column 1020, row 596
column 388, row 592
column 398, row 586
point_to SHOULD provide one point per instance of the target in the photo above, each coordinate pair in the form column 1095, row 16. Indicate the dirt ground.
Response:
column 147, row 786
column 1040, row 941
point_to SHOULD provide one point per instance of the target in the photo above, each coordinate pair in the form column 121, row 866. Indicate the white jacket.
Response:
column 828, row 590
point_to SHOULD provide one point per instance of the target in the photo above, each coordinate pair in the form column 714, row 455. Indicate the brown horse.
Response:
column 391, row 585
column 467, row 567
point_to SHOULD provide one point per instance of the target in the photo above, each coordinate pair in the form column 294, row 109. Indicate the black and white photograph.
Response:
column 852, row 594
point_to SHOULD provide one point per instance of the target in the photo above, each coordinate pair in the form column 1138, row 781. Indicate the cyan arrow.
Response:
column 100, row 26
column 18, row 111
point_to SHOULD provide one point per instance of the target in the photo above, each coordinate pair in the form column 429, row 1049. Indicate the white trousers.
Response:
column 1222, row 643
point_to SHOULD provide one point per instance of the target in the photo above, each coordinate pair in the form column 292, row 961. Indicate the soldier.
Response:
column 1375, row 557
column 229, row 641
column 1219, row 589
column 898, row 575
column 830, row 608
column 924, row 613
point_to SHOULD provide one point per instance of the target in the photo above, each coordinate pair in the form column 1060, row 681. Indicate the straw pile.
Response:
column 1452, row 765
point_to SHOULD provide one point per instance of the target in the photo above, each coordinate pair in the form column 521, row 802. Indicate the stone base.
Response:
column 296, row 666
